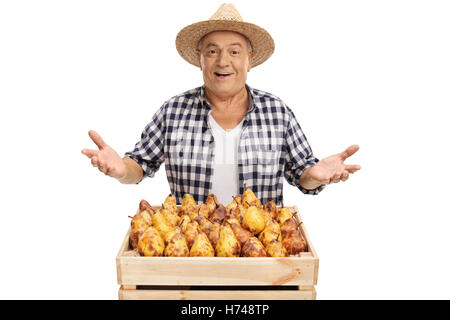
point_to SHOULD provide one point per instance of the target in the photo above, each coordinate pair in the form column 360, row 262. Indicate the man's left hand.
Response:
column 331, row 169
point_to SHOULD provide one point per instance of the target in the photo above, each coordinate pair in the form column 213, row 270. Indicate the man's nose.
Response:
column 222, row 60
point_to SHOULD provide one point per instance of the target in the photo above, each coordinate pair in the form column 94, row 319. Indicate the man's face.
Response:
column 225, row 60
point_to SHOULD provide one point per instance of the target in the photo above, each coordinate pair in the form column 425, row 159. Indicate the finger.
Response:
column 94, row 161
column 97, row 139
column 352, row 168
column 344, row 176
column 89, row 152
column 350, row 151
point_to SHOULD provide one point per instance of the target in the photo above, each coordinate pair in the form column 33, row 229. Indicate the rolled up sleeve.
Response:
column 148, row 152
column 299, row 155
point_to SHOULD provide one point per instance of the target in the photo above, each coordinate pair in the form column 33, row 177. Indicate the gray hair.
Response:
column 250, row 49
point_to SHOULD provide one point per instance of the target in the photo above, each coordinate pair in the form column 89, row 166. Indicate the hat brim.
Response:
column 188, row 38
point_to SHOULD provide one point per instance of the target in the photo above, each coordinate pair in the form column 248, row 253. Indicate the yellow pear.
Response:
column 249, row 198
column 151, row 243
column 162, row 225
column 201, row 246
column 171, row 216
column 228, row 245
column 188, row 201
column 192, row 229
column 283, row 215
column 170, row 203
column 271, row 232
column 254, row 220
column 211, row 202
column 275, row 249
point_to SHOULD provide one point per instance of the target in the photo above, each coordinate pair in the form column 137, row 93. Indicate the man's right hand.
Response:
column 105, row 158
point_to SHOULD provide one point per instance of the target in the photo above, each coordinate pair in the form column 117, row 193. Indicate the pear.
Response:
column 188, row 201
column 170, row 203
column 204, row 223
column 151, row 243
column 242, row 235
column 233, row 204
column 192, row 229
column 218, row 215
column 214, row 233
column 249, row 198
column 184, row 220
column 201, row 246
column 231, row 217
column 211, row 202
column 283, row 215
column 292, row 238
column 228, row 245
column 203, row 210
column 191, row 211
column 267, row 216
column 254, row 220
column 144, row 205
column 139, row 223
column 171, row 216
column 253, row 248
column 275, row 249
column 177, row 246
column 271, row 207
column 162, row 225
column 271, row 232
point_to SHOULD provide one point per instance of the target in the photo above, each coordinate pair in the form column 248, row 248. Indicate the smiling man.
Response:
column 224, row 135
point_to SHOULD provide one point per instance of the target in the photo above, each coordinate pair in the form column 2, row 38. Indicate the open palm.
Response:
column 333, row 169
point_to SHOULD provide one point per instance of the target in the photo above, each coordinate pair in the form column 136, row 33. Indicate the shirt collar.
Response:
column 204, row 103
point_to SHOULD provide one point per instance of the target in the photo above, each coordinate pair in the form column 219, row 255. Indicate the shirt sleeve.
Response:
column 149, row 151
column 299, row 155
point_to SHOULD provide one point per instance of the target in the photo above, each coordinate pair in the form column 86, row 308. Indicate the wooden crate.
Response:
column 202, row 278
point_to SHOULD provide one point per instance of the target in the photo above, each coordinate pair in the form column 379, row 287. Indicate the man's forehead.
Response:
column 224, row 38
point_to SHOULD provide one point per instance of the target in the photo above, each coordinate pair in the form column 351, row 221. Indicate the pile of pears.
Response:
column 244, row 228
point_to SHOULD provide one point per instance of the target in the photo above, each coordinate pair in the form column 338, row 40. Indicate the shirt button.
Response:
column 208, row 173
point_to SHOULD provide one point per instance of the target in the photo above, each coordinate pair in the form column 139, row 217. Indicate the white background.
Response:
column 375, row 73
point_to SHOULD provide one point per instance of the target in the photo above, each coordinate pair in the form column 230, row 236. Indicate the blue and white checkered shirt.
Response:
column 272, row 146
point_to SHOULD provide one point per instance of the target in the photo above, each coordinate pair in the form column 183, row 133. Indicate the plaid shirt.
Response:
column 272, row 146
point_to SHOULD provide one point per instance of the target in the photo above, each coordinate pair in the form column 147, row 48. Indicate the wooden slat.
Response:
column 217, row 294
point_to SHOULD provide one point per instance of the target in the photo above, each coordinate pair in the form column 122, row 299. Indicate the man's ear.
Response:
column 250, row 61
column 198, row 58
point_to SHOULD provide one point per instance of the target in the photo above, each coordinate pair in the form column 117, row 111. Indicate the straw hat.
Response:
column 227, row 18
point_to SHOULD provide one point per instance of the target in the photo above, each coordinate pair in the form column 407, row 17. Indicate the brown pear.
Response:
column 231, row 217
column 204, row 223
column 201, row 246
column 253, row 248
column 151, row 244
column 228, row 245
column 214, row 233
column 242, row 235
column 192, row 229
column 139, row 223
column 254, row 220
column 177, row 246
column 292, row 238
column 144, row 205
column 271, row 208
column 218, row 215
column 211, row 202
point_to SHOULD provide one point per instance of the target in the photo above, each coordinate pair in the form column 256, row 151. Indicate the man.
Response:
column 225, row 135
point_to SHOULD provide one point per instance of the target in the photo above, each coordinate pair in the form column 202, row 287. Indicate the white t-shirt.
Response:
column 225, row 177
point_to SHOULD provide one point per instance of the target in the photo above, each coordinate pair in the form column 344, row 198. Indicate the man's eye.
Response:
column 212, row 51
column 234, row 52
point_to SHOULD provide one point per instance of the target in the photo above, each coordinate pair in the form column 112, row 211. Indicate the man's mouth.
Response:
column 222, row 75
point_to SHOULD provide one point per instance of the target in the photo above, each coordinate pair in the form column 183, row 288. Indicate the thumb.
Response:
column 350, row 151
column 97, row 139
